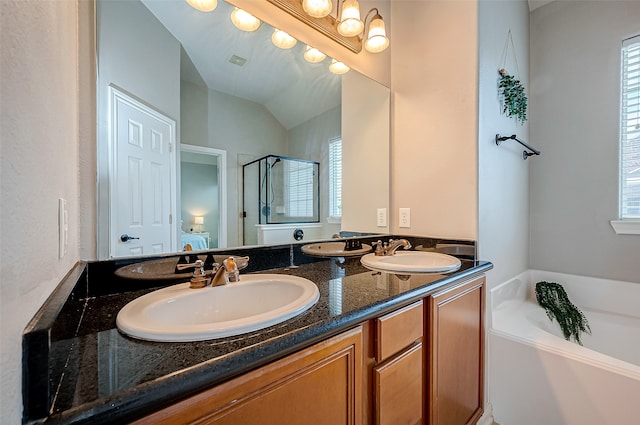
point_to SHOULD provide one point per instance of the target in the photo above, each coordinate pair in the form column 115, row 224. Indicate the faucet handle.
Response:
column 379, row 248
column 199, row 279
column 232, row 274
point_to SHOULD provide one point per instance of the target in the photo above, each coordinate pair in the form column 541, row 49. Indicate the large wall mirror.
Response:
column 185, row 100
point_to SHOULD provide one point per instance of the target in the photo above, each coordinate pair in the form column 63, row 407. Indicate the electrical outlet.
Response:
column 405, row 217
column 381, row 218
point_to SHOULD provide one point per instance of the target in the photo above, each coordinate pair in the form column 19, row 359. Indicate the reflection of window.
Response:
column 335, row 178
column 630, row 130
column 299, row 188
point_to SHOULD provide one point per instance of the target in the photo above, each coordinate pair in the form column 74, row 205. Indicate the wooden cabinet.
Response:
column 399, row 373
column 405, row 367
column 318, row 385
column 456, row 354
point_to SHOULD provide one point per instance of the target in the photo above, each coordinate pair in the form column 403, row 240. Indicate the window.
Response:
column 630, row 130
column 299, row 188
column 335, row 179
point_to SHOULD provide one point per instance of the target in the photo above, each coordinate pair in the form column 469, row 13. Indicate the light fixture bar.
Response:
column 327, row 25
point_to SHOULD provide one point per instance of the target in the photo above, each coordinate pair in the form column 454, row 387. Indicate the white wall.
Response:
column 434, row 86
column 194, row 114
column 199, row 193
column 502, row 173
column 139, row 56
column 39, row 157
column 503, row 176
column 575, row 66
column 310, row 141
column 244, row 140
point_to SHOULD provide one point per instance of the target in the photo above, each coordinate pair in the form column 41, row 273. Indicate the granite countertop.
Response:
column 98, row 375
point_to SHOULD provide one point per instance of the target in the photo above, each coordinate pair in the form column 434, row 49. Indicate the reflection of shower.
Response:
column 289, row 194
column 268, row 193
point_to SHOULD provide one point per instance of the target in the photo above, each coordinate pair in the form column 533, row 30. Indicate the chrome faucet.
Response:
column 227, row 272
column 391, row 247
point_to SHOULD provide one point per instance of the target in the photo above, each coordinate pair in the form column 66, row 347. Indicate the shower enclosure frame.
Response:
column 263, row 169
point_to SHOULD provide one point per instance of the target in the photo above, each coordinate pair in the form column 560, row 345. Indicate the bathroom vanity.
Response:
column 376, row 348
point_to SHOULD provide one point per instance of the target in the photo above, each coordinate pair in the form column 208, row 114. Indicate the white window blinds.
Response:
column 630, row 130
column 335, row 178
column 299, row 188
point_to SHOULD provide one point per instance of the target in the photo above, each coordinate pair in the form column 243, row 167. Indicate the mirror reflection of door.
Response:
column 142, row 192
column 202, row 197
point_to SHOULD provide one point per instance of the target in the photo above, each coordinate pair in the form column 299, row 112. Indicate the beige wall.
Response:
column 40, row 130
column 365, row 153
column 434, row 86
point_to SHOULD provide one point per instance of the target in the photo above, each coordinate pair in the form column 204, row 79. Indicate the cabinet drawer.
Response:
column 398, row 330
column 399, row 395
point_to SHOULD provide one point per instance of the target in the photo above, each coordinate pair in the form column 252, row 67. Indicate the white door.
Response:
column 142, row 181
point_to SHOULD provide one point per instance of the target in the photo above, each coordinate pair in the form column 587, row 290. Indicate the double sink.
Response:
column 178, row 313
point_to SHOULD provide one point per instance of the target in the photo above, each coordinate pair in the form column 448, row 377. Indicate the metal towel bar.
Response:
column 525, row 154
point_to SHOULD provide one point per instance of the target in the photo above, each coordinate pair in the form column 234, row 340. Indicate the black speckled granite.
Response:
column 97, row 375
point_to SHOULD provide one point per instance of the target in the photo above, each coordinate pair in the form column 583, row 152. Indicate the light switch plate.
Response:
column 405, row 217
column 381, row 218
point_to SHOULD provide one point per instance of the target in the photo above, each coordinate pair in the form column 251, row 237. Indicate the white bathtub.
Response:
column 536, row 377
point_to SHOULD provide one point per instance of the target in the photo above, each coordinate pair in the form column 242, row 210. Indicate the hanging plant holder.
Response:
column 511, row 91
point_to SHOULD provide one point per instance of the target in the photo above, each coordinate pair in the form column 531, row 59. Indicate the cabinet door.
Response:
column 319, row 385
column 456, row 354
column 399, row 388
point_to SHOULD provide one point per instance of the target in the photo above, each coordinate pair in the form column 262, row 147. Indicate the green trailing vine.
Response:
column 552, row 297
column 512, row 96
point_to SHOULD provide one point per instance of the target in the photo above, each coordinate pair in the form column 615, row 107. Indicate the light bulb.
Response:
column 350, row 23
column 283, row 40
column 203, row 5
column 244, row 20
column 377, row 39
column 313, row 55
column 317, row 8
column 338, row 67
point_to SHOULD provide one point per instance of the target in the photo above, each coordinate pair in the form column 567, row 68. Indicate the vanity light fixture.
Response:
column 345, row 28
column 203, row 5
column 317, row 8
column 283, row 40
column 313, row 55
column 350, row 24
column 244, row 20
column 377, row 39
column 338, row 67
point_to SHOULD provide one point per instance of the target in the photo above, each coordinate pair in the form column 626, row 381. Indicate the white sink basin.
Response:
column 179, row 313
column 412, row 262
column 333, row 249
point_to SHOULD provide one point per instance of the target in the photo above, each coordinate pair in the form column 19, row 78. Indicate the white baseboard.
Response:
column 487, row 416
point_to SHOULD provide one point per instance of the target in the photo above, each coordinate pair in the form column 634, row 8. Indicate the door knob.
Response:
column 125, row 238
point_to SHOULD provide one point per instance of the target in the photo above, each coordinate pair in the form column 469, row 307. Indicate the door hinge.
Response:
column 170, row 147
column 170, row 218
